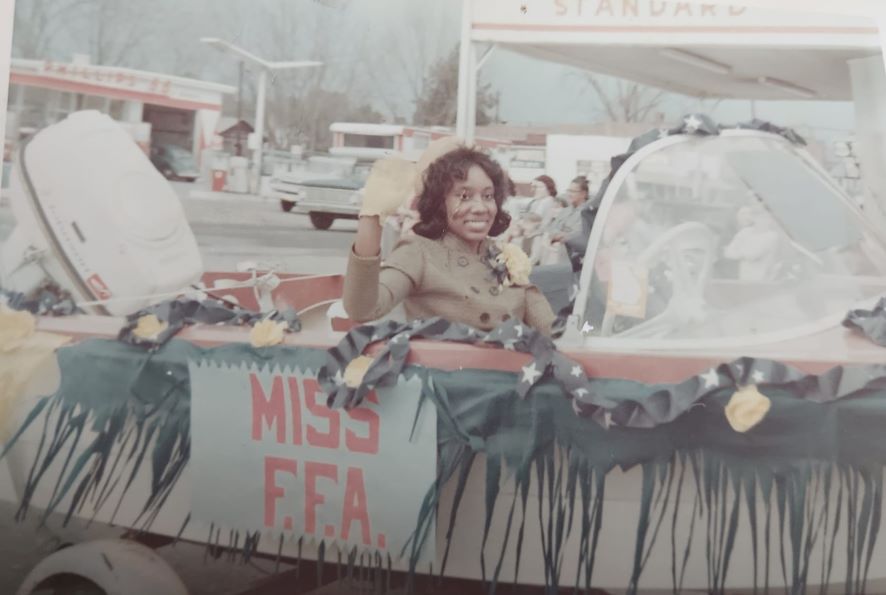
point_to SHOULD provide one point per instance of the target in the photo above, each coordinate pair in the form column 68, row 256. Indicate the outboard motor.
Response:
column 95, row 217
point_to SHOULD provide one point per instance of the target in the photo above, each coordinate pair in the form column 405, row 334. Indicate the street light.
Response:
column 264, row 67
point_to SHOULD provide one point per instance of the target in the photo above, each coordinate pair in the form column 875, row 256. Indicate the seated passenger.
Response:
column 548, row 247
column 445, row 268
column 529, row 224
column 756, row 246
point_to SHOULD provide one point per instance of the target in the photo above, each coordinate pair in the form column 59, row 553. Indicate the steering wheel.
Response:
column 689, row 249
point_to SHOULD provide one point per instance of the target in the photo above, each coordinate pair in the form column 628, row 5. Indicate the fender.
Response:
column 118, row 567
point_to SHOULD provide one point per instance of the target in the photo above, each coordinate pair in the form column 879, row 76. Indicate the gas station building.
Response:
column 156, row 108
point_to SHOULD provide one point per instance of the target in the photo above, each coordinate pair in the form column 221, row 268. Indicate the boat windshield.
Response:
column 727, row 237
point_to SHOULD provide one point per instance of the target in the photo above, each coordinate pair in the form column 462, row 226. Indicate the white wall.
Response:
column 565, row 151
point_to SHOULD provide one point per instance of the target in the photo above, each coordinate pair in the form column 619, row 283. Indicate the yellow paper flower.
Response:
column 15, row 328
column 747, row 407
column 267, row 333
column 27, row 372
column 518, row 264
column 149, row 327
column 356, row 370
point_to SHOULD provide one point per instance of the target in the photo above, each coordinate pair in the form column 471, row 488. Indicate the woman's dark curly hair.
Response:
column 548, row 181
column 438, row 181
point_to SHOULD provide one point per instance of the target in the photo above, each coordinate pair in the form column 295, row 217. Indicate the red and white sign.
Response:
column 268, row 455
column 98, row 287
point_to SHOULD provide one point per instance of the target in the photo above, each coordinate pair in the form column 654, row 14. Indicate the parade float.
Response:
column 710, row 421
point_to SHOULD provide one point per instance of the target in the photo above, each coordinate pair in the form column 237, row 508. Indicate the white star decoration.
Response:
column 711, row 378
column 338, row 379
column 576, row 371
column 581, row 392
column 573, row 292
column 530, row 373
column 758, row 376
column 692, row 124
column 662, row 132
column 509, row 345
column 519, row 329
column 587, row 328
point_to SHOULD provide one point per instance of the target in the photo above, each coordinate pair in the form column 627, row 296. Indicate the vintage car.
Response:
column 174, row 162
column 624, row 429
column 327, row 190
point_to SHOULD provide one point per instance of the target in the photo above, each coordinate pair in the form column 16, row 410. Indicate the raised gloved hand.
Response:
column 389, row 185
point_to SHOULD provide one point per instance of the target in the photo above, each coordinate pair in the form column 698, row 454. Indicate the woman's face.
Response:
column 577, row 196
column 470, row 207
column 539, row 190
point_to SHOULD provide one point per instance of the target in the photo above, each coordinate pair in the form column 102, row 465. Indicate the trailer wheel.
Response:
column 103, row 567
column 321, row 220
column 286, row 206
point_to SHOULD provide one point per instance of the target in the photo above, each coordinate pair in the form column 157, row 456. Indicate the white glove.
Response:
column 389, row 185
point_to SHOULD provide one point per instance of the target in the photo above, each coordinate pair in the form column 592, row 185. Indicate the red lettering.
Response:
column 355, row 508
column 272, row 490
column 657, row 12
column 366, row 444
column 560, row 5
column 737, row 11
column 709, row 9
column 331, row 437
column 312, row 497
column 272, row 411
column 295, row 403
column 630, row 8
column 605, row 6
column 683, row 7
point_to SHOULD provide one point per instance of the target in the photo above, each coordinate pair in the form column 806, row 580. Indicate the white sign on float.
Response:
column 268, row 455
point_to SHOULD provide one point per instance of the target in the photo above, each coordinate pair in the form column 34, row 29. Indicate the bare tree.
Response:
column 437, row 104
column 121, row 30
column 624, row 101
column 38, row 24
column 302, row 103
column 406, row 50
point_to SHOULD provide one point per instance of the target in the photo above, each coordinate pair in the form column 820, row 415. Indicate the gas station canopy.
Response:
column 703, row 49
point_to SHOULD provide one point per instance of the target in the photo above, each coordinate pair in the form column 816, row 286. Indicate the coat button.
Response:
column 494, row 290
column 462, row 261
column 484, row 317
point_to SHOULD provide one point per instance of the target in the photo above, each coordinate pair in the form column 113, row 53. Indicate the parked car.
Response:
column 326, row 190
column 174, row 162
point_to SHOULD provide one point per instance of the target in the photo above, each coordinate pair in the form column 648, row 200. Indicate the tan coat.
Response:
column 439, row 278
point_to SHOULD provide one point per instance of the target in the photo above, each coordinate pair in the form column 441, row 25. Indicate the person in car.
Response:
column 446, row 268
column 548, row 247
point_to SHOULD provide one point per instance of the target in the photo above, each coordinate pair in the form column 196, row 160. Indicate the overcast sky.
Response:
column 383, row 45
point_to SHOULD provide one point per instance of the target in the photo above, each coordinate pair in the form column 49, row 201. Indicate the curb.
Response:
column 227, row 196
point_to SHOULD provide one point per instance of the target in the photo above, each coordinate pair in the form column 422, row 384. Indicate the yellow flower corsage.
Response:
column 516, row 263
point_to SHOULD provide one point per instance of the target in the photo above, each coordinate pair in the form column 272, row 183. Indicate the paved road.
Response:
column 229, row 230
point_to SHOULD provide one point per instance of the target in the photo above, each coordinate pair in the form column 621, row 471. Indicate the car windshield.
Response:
column 729, row 237
column 181, row 157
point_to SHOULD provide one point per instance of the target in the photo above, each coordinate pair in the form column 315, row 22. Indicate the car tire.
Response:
column 321, row 221
column 286, row 206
